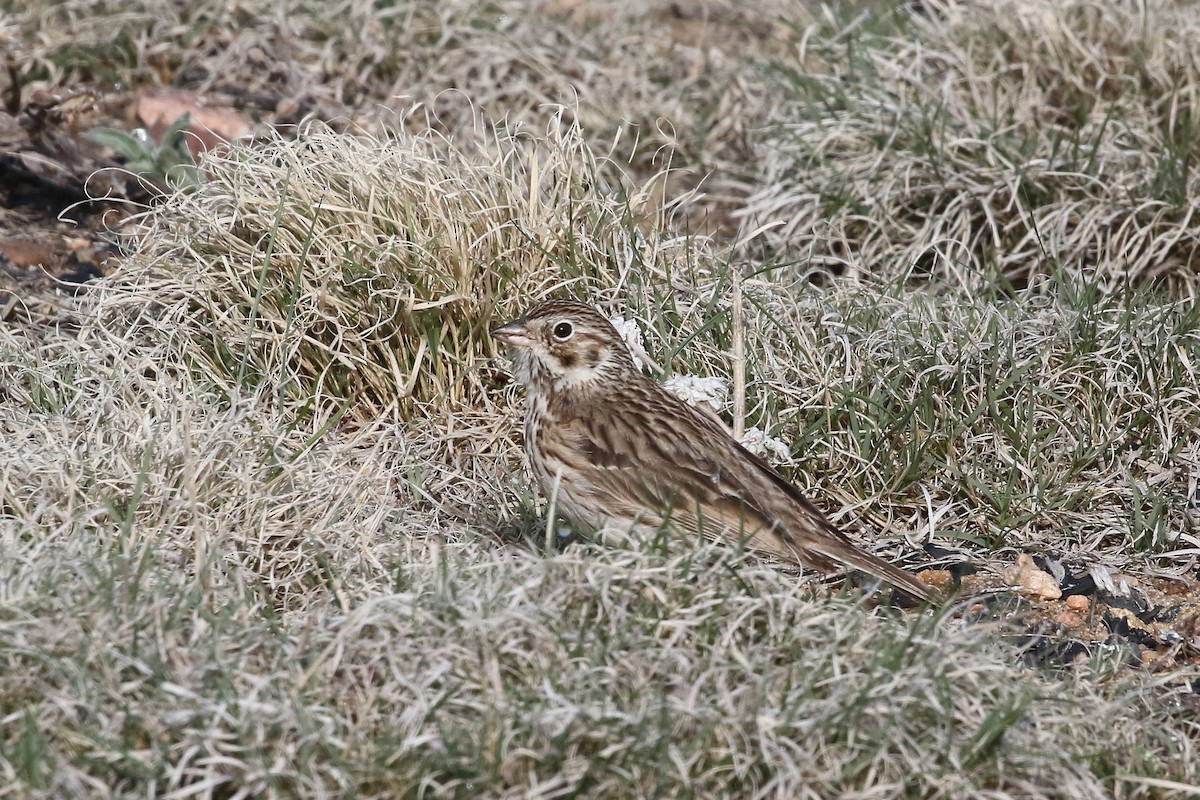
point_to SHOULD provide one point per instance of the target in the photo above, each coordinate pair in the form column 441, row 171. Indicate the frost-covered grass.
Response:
column 265, row 524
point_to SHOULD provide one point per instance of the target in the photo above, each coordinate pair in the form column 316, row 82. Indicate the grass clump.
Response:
column 363, row 275
column 1016, row 136
column 111, row 449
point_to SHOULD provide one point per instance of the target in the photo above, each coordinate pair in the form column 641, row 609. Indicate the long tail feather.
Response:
column 859, row 559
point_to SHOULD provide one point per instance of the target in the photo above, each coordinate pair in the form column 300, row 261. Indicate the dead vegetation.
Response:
column 265, row 528
column 1017, row 136
column 369, row 270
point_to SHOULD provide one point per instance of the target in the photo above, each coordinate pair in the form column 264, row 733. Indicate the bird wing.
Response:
column 682, row 465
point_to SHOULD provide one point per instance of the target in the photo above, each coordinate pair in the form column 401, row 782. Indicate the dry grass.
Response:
column 213, row 595
column 339, row 269
column 1017, row 135
column 1055, row 418
column 674, row 77
column 199, row 601
column 265, row 528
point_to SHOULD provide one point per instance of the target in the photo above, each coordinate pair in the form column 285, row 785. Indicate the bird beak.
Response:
column 513, row 333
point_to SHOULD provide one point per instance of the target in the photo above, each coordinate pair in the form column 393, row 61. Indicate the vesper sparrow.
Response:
column 614, row 448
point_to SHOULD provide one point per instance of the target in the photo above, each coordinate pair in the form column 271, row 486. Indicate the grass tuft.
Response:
column 360, row 277
column 1016, row 136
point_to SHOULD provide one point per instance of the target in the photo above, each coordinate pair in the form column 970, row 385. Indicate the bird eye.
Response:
column 563, row 331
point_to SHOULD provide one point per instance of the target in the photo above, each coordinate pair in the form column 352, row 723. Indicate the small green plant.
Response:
column 168, row 164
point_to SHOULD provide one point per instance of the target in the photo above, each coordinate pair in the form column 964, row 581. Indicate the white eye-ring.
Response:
column 563, row 331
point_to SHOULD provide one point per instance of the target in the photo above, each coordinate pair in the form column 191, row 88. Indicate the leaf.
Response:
column 127, row 145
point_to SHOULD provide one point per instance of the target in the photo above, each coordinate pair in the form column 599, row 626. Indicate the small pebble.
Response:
column 937, row 578
column 1077, row 602
column 287, row 107
column 1069, row 619
column 26, row 253
column 1030, row 580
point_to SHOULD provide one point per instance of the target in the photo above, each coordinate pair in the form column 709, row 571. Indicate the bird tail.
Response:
column 851, row 556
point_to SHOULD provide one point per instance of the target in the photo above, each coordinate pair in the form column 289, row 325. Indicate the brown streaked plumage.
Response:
column 616, row 448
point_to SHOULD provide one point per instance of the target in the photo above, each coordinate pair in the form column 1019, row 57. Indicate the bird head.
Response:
column 562, row 344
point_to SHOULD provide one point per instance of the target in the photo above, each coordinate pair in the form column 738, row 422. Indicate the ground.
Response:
column 267, row 525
